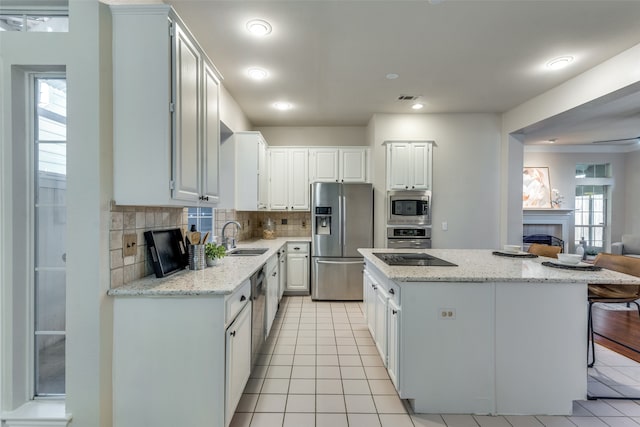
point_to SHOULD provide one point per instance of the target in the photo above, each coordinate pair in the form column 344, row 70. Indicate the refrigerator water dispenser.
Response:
column 323, row 225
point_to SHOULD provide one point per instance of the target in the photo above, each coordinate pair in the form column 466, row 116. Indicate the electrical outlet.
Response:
column 129, row 244
column 284, row 221
column 447, row 313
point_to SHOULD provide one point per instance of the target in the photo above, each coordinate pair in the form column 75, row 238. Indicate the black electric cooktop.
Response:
column 413, row 259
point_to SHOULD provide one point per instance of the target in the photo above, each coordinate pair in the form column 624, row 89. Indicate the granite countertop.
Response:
column 480, row 265
column 221, row 279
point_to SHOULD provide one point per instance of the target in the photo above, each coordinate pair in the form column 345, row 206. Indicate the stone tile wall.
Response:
column 136, row 220
column 298, row 224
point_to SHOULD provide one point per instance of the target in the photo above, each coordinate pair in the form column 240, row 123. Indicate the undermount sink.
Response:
column 247, row 251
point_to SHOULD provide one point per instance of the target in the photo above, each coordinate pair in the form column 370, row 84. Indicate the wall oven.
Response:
column 409, row 237
column 409, row 207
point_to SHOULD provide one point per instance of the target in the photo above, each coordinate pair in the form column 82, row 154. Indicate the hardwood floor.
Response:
column 621, row 326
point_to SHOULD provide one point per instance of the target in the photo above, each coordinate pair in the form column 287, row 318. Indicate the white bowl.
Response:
column 511, row 248
column 569, row 258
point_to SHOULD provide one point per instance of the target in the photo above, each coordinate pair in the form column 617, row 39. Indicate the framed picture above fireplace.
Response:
column 536, row 188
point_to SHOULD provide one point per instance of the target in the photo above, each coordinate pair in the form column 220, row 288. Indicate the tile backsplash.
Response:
column 136, row 220
column 126, row 220
column 298, row 224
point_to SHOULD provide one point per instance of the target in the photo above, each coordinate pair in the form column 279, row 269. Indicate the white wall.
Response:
column 230, row 112
column 562, row 166
column 313, row 135
column 86, row 53
column 466, row 182
column 632, row 194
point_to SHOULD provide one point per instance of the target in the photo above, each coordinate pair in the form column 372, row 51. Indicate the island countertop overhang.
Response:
column 480, row 265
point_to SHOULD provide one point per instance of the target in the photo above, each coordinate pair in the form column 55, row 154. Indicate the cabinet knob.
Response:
column 394, row 311
column 274, row 274
column 374, row 287
column 406, row 186
column 392, row 292
column 233, row 334
column 242, row 298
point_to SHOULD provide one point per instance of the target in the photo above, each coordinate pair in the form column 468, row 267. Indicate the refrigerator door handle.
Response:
column 343, row 222
column 339, row 262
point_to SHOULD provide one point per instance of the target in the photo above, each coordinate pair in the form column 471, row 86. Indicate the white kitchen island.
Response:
column 492, row 335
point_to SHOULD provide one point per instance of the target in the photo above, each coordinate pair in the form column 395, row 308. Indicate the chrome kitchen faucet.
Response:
column 229, row 242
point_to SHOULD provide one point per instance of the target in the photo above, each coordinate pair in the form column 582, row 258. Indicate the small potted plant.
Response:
column 213, row 253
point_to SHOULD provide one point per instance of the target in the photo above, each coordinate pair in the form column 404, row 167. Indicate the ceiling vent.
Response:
column 623, row 141
column 408, row 97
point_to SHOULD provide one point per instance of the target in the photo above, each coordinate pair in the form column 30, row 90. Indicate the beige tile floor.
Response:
column 320, row 368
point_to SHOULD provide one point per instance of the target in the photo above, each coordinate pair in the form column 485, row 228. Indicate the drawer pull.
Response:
column 392, row 292
column 242, row 298
column 233, row 334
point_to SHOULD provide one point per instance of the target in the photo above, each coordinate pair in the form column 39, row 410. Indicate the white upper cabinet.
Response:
column 289, row 179
column 244, row 175
column 211, row 136
column 165, row 111
column 409, row 165
column 333, row 164
column 188, row 64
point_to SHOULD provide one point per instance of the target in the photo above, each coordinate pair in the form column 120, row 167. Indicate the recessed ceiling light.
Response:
column 417, row 106
column 558, row 63
column 282, row 106
column 257, row 73
column 392, row 76
column 259, row 27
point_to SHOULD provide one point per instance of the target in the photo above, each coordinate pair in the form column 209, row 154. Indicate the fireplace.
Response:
column 552, row 226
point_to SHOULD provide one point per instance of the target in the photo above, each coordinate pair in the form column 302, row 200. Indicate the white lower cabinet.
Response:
column 393, row 317
column 382, row 312
column 238, row 360
column 369, row 294
column 381, row 323
column 180, row 360
column 273, row 284
column 297, row 268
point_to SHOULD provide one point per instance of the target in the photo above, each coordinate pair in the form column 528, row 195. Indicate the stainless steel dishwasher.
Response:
column 258, row 298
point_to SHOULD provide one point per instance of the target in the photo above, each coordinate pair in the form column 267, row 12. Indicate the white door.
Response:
column 398, row 164
column 353, row 165
column 381, row 323
column 393, row 316
column 238, row 360
column 273, row 282
column 297, row 272
column 187, row 124
column 369, row 294
column 324, row 164
column 278, row 182
column 211, row 137
column 263, row 175
column 299, row 179
column 421, row 165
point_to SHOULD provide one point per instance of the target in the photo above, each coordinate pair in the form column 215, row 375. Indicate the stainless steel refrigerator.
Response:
column 342, row 222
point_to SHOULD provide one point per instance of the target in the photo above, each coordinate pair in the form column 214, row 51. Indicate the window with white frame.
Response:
column 49, row 232
column 202, row 219
column 591, row 206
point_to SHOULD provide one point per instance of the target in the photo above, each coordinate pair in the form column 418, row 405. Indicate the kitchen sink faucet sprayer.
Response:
column 229, row 242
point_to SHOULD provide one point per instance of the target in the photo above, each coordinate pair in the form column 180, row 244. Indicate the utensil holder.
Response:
column 197, row 259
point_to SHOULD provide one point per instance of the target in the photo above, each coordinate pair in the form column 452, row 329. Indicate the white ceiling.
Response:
column 329, row 58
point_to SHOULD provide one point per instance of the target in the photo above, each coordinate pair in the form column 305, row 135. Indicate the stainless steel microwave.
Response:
column 409, row 207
